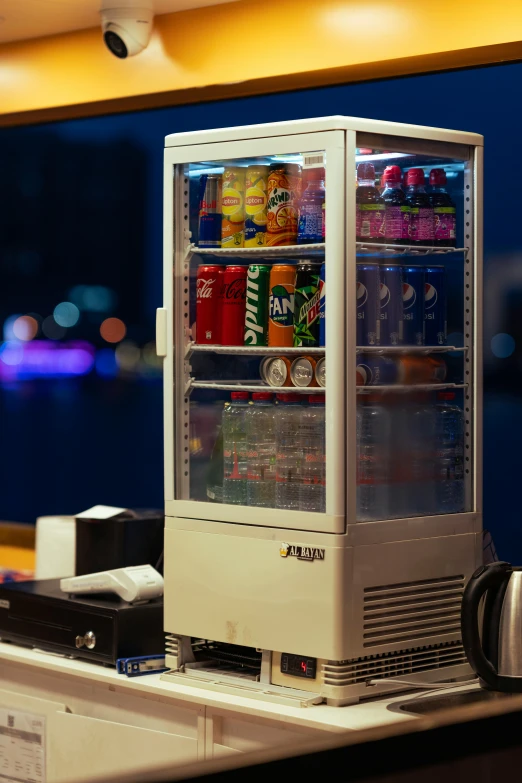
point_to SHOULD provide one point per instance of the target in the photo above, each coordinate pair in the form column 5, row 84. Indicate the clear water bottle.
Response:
column 449, row 454
column 422, row 444
column 312, row 495
column 234, row 450
column 373, row 461
column 289, row 451
column 261, row 450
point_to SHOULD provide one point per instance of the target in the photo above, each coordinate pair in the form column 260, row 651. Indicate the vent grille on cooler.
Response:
column 411, row 611
column 408, row 662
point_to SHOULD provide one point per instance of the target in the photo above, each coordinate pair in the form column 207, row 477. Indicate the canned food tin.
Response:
column 302, row 371
column 284, row 190
column 255, row 206
column 209, row 210
column 320, row 372
column 277, row 371
column 233, row 208
column 256, row 314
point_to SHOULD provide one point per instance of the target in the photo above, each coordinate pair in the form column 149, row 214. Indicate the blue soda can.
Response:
column 368, row 322
column 376, row 370
column 413, row 304
column 435, row 305
column 391, row 306
column 210, row 217
column 322, row 306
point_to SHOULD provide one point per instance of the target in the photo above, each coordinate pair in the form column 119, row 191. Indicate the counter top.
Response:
column 366, row 714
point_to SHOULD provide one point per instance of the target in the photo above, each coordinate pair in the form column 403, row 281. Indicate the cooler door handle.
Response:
column 161, row 331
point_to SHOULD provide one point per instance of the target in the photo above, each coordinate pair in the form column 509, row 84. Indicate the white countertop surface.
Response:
column 366, row 714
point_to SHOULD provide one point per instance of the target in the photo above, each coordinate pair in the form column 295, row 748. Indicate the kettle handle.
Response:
column 491, row 577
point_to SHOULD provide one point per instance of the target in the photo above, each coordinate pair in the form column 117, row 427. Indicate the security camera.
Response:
column 127, row 27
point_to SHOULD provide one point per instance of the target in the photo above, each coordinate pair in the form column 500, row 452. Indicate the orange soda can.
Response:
column 284, row 192
column 281, row 305
column 233, row 207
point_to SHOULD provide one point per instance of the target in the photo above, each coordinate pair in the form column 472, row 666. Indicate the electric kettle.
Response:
column 497, row 657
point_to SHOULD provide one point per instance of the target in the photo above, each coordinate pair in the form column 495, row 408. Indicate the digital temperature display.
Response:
column 298, row 666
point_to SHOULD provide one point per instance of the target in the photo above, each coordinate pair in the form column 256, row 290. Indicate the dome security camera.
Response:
column 126, row 28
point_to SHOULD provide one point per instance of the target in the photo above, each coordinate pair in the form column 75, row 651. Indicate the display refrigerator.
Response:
column 321, row 335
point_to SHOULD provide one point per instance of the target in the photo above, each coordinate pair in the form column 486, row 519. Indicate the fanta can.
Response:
column 233, row 208
column 281, row 305
column 255, row 206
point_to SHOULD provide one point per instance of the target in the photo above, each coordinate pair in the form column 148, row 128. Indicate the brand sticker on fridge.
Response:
column 307, row 553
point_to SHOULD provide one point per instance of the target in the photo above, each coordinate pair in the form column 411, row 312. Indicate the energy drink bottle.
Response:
column 370, row 218
column 397, row 212
column 444, row 210
column 422, row 223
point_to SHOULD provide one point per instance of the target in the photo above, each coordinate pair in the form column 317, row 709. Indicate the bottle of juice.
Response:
column 444, row 210
column 422, row 223
column 397, row 212
column 371, row 221
column 311, row 207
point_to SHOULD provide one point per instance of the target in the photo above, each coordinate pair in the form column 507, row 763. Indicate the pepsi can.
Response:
column 413, row 304
column 391, row 306
column 375, row 370
column 322, row 306
column 435, row 305
column 368, row 323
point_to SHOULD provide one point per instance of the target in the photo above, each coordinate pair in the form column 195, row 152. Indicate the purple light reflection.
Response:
column 45, row 359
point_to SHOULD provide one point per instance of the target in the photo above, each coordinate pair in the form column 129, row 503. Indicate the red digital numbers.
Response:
column 303, row 667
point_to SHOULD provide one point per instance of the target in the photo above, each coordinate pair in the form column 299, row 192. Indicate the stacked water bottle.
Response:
column 410, row 456
column 274, row 451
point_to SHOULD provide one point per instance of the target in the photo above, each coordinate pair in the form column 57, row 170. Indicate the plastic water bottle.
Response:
column 234, row 450
column 449, row 454
column 261, row 450
column 373, row 462
column 312, row 495
column 422, row 439
column 289, row 450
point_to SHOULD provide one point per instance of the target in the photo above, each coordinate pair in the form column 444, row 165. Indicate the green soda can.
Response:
column 307, row 304
column 256, row 314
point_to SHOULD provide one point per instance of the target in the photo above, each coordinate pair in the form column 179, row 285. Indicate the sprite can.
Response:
column 307, row 304
column 256, row 314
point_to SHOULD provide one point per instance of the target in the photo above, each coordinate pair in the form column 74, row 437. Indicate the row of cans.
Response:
column 250, row 207
column 374, row 370
column 281, row 305
column 401, row 304
column 302, row 372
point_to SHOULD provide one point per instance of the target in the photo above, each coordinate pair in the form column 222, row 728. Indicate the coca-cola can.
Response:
column 234, row 305
column 209, row 299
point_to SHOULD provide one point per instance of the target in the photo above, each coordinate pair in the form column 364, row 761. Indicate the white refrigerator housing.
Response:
column 305, row 607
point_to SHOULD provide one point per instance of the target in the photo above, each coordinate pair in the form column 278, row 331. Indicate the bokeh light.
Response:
column 66, row 314
column 127, row 355
column 12, row 353
column 106, row 363
column 8, row 327
column 93, row 298
column 25, row 328
column 502, row 345
column 150, row 357
column 113, row 330
column 52, row 330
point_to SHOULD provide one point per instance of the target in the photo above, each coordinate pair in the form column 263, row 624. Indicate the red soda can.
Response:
column 234, row 305
column 209, row 298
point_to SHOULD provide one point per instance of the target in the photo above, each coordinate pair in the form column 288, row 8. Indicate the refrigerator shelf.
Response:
column 411, row 388
column 253, row 350
column 409, row 349
column 253, row 387
column 318, row 249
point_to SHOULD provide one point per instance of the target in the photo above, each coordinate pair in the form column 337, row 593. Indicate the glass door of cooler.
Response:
column 414, row 322
column 257, row 229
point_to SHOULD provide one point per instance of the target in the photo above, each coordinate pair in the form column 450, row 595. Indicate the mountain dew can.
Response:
column 256, row 313
column 307, row 304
